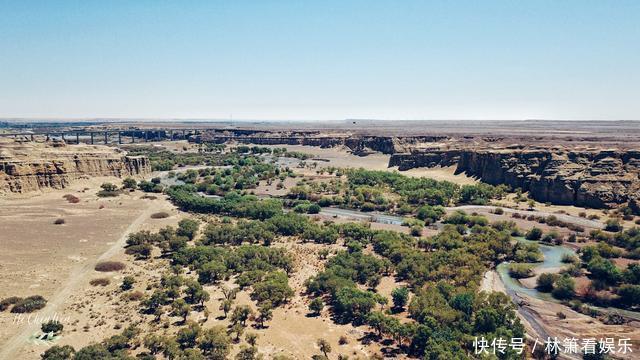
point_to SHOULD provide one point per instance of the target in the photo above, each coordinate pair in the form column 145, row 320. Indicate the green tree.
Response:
column 188, row 228
column 92, row 352
column 180, row 308
column 248, row 353
column 215, row 343
column 195, row 293
column 400, row 296
column 241, row 314
column 629, row 295
column 225, row 306
column 187, row 336
column 265, row 312
column 211, row 272
column 316, row 306
column 155, row 343
column 237, row 329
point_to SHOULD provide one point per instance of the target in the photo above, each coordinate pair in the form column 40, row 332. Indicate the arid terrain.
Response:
column 576, row 183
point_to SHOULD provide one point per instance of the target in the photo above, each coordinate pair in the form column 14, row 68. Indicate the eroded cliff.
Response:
column 591, row 178
column 26, row 167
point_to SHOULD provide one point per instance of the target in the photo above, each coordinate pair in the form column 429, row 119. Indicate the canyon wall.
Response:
column 25, row 168
column 360, row 145
column 598, row 178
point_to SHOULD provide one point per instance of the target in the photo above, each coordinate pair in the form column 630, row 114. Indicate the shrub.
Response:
column 613, row 225
column 129, row 183
column 5, row 303
column 29, row 304
column 108, row 190
column 520, row 271
column 59, row 221
column 314, row 209
column 498, row 211
column 107, row 266
column 534, row 234
column 160, row 215
column 100, row 282
column 57, row 352
column 416, row 230
column 72, row 198
column 127, row 283
column 569, row 259
column 133, row 296
column 52, row 326
column 564, row 288
column 545, row 282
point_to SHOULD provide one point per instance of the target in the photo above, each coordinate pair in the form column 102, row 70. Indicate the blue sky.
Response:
column 314, row 60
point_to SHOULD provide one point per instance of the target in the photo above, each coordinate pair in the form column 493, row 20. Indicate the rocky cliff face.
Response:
column 359, row 145
column 599, row 178
column 31, row 169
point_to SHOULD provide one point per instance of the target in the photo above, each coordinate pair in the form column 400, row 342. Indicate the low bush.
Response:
column 72, row 198
column 108, row 190
column 5, row 303
column 160, row 215
column 59, row 221
column 100, row 282
column 29, row 304
column 133, row 296
column 107, row 266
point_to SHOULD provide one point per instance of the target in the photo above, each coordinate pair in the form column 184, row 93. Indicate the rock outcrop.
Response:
column 596, row 178
column 30, row 168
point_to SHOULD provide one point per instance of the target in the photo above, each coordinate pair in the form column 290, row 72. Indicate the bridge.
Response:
column 93, row 136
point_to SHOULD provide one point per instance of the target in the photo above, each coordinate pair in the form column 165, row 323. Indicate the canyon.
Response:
column 564, row 171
